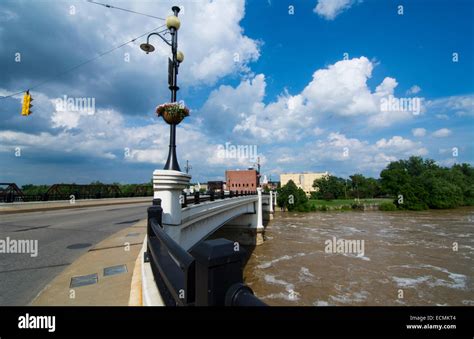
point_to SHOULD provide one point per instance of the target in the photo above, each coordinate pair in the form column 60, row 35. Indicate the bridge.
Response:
column 179, row 266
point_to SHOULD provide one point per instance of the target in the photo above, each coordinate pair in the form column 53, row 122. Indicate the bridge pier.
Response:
column 267, row 205
column 248, row 229
column 271, row 202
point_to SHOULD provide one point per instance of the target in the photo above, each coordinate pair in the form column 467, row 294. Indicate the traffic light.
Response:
column 27, row 99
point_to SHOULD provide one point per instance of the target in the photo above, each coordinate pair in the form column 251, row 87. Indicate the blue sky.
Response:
column 302, row 81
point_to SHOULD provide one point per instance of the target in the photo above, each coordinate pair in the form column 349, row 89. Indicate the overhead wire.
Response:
column 124, row 9
column 82, row 63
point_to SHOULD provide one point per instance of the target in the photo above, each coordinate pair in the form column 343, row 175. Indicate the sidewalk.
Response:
column 88, row 282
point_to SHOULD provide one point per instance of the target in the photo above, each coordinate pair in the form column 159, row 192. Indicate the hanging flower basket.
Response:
column 172, row 113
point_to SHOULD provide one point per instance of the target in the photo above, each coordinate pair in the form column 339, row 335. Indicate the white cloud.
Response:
column 345, row 154
column 342, row 88
column 414, row 90
column 329, row 9
column 210, row 36
column 460, row 105
column 107, row 135
column 418, row 132
column 339, row 90
column 441, row 133
column 401, row 146
column 214, row 40
column 317, row 131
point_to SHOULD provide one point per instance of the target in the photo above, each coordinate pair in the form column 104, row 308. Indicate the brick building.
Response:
column 242, row 180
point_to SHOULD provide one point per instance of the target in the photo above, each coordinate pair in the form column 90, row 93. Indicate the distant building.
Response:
column 271, row 185
column 215, row 185
column 267, row 183
column 195, row 188
column 303, row 180
column 241, row 180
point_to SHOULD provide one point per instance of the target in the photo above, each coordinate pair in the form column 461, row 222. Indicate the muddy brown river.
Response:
column 408, row 258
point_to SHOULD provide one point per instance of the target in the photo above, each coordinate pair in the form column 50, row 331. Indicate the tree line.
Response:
column 413, row 184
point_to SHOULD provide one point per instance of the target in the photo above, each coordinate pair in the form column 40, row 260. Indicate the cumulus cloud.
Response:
column 107, row 134
column 342, row 88
column 134, row 80
column 400, row 145
column 418, row 132
column 292, row 129
column 441, row 133
column 348, row 154
column 215, row 53
column 329, row 9
column 414, row 90
column 337, row 91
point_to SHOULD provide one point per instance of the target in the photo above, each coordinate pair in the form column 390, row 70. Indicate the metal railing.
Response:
column 197, row 198
column 210, row 275
column 171, row 264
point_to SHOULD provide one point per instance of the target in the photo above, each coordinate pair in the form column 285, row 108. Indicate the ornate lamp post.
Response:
column 171, row 113
column 168, row 183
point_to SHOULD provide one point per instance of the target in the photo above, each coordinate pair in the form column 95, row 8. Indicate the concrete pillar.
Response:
column 276, row 204
column 168, row 185
column 259, row 209
column 271, row 201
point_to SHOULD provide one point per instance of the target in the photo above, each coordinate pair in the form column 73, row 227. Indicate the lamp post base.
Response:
column 168, row 186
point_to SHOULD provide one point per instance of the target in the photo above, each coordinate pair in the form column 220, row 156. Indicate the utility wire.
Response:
column 82, row 63
column 123, row 9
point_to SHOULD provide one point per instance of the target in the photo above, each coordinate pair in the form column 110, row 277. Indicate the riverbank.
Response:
column 346, row 204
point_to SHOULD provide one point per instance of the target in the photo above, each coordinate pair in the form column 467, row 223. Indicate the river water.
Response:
column 409, row 258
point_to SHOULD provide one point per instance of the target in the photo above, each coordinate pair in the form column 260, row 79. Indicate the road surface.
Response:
column 63, row 235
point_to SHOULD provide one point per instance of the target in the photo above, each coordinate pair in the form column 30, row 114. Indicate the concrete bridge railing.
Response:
column 243, row 216
column 179, row 233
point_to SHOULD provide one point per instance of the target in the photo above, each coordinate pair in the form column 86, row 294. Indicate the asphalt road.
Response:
column 63, row 235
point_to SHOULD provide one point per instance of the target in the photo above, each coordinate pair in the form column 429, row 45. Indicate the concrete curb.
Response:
column 136, row 297
column 150, row 293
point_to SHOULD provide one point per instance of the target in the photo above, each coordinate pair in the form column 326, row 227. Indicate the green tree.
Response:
column 291, row 197
column 362, row 187
column 420, row 184
column 329, row 188
column 411, row 197
column 463, row 176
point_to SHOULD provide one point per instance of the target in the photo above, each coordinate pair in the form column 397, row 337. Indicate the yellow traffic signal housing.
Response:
column 27, row 99
column 23, row 106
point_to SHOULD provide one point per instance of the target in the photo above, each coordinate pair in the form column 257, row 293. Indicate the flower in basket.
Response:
column 172, row 113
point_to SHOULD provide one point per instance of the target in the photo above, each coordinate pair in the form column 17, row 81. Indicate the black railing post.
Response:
column 218, row 267
column 222, row 194
column 196, row 198
column 211, row 194
column 231, row 194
